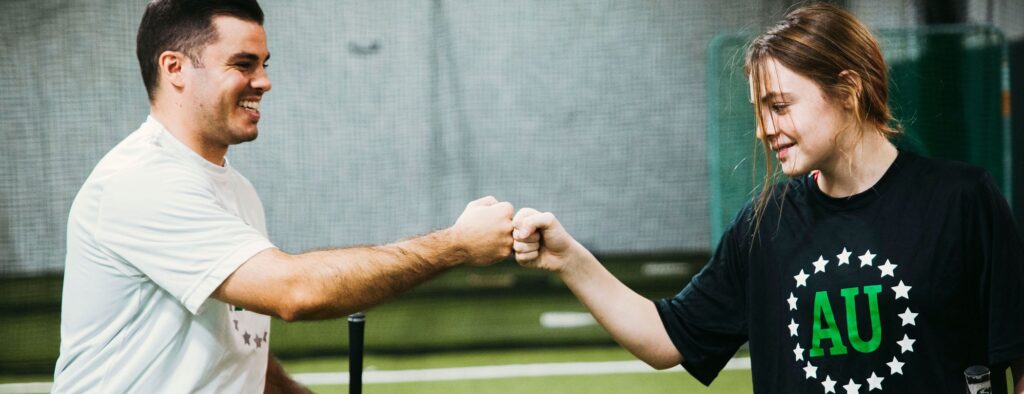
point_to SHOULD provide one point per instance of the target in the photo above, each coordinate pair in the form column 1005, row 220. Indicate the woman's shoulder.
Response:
column 950, row 173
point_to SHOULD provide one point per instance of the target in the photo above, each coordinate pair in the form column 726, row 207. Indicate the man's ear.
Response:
column 852, row 81
column 172, row 63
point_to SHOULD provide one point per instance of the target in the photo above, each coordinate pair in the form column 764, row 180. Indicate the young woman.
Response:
column 871, row 268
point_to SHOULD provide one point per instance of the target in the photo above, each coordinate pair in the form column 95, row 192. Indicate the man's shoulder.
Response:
column 141, row 157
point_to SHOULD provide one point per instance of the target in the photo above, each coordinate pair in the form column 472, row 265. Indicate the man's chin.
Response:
column 238, row 138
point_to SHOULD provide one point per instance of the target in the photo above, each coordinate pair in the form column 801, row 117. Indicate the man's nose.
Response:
column 262, row 81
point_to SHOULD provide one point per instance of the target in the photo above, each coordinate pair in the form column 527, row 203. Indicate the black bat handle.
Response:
column 356, row 323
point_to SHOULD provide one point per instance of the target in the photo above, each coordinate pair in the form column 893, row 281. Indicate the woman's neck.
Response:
column 860, row 168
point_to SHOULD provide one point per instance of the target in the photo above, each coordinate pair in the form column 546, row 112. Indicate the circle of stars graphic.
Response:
column 900, row 291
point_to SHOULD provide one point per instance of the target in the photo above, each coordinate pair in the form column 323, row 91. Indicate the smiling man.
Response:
column 170, row 279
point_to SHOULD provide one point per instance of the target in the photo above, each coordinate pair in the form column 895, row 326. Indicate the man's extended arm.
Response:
column 334, row 283
column 542, row 242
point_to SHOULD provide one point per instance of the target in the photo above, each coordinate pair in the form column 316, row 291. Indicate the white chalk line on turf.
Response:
column 447, row 374
column 24, row 388
column 497, row 372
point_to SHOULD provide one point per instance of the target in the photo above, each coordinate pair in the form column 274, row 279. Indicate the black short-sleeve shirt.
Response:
column 896, row 290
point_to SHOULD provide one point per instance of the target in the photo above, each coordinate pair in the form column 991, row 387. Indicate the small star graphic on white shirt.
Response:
column 792, row 328
column 830, row 385
column 887, row 269
column 902, row 290
column 874, row 382
column 798, row 352
column 906, row 344
column 895, row 366
column 867, row 258
column 852, row 387
column 844, row 258
column 792, row 302
column 908, row 317
column 801, row 279
column 811, row 371
column 819, row 265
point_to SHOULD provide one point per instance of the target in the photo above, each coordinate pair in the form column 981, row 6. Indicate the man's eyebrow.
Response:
column 247, row 56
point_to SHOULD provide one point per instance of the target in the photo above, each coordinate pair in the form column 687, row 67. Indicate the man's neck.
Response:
column 861, row 168
column 182, row 129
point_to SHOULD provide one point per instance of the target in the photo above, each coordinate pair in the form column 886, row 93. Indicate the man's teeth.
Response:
column 250, row 104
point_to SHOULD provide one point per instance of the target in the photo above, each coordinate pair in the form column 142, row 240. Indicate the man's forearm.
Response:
column 343, row 281
column 334, row 283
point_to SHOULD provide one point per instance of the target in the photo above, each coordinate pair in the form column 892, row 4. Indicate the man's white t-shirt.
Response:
column 153, row 232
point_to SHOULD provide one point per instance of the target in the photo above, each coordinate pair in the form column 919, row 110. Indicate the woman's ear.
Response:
column 851, row 80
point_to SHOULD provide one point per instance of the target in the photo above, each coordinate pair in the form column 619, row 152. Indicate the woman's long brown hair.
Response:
column 831, row 47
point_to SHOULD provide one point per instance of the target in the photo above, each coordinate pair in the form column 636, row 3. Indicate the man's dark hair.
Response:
column 185, row 26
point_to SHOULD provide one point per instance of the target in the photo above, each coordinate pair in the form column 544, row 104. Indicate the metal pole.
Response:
column 356, row 323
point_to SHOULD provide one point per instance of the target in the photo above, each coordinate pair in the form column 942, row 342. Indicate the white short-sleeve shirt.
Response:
column 153, row 232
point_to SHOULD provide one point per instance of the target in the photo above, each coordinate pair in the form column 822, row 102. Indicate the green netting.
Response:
column 949, row 91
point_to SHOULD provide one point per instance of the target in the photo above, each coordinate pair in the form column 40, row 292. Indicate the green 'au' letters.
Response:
column 851, row 318
column 830, row 332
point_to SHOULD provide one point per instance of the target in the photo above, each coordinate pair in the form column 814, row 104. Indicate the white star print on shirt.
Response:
column 819, row 265
column 895, row 366
column 906, row 344
column 811, row 371
column 887, row 269
column 830, row 385
column 852, row 387
column 908, row 317
column 801, row 279
column 844, row 258
column 867, row 258
column 902, row 290
column 875, row 382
